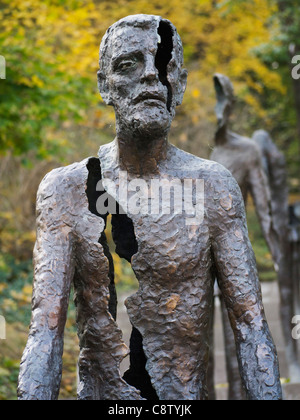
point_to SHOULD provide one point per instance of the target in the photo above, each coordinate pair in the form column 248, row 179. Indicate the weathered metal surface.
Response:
column 68, row 250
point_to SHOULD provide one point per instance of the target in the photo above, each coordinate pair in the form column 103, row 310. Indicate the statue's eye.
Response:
column 126, row 65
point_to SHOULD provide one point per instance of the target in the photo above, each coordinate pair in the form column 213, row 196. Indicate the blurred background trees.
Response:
column 51, row 113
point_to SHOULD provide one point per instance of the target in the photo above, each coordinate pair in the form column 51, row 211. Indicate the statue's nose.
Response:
column 150, row 71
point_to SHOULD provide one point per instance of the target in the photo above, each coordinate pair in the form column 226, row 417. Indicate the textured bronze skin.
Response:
column 67, row 251
column 141, row 75
column 175, row 267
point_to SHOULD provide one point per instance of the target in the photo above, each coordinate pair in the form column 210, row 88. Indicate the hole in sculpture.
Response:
column 126, row 246
column 163, row 57
column 94, row 176
column 120, row 230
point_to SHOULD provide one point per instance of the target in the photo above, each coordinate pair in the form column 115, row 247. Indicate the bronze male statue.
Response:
column 275, row 169
column 174, row 254
column 242, row 157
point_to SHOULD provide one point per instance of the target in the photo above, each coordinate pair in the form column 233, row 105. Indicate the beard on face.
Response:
column 148, row 119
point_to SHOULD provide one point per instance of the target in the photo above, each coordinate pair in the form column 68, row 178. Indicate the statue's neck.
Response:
column 221, row 136
column 140, row 156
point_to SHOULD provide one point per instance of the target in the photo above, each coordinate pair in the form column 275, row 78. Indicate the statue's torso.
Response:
column 173, row 264
column 238, row 155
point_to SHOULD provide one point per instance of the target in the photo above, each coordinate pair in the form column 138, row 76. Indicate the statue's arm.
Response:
column 41, row 365
column 260, row 191
column 238, row 280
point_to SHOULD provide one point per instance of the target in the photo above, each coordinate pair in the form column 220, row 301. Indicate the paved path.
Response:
column 271, row 302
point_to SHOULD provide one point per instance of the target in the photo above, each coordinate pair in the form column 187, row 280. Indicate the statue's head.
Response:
column 225, row 99
column 141, row 74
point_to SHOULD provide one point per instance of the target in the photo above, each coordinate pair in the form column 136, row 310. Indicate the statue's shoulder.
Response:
column 249, row 146
column 64, row 180
column 219, row 182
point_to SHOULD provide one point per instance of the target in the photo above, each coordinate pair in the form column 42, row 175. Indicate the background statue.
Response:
column 241, row 156
column 260, row 171
column 275, row 169
column 176, row 251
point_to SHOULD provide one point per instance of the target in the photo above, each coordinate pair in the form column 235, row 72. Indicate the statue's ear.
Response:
column 181, row 86
column 103, row 87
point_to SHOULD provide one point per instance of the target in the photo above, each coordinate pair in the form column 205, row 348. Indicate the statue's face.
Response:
column 139, row 97
column 142, row 90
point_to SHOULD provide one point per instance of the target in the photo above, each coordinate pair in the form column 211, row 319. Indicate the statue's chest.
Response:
column 167, row 246
column 168, row 216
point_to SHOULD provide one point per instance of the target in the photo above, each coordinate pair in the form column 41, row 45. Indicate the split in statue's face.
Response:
column 140, row 82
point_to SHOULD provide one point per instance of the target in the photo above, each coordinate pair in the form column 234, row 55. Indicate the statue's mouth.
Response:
column 150, row 97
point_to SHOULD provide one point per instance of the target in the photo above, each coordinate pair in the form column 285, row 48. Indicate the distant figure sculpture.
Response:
column 241, row 156
column 175, row 250
column 275, row 169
